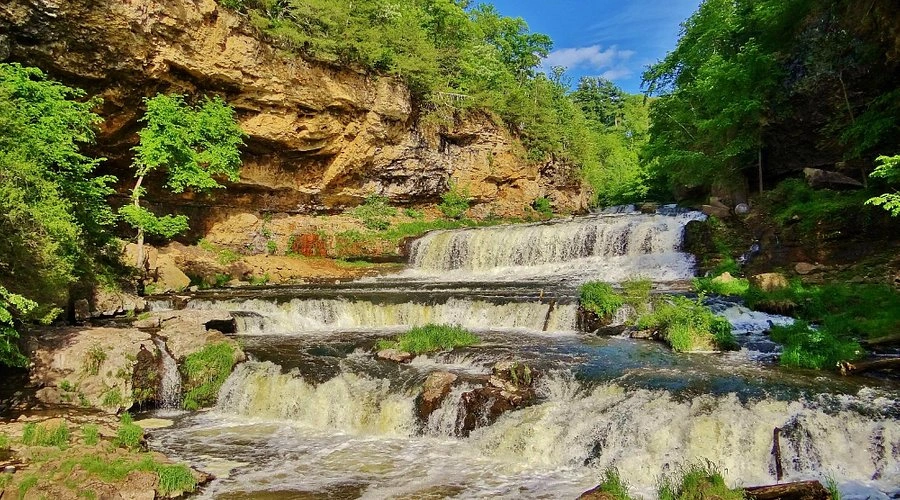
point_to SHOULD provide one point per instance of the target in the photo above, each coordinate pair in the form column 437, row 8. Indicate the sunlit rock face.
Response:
column 320, row 137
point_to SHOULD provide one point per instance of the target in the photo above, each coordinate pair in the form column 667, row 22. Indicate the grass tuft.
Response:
column 430, row 338
column 687, row 325
column 129, row 435
column 204, row 372
column 600, row 298
column 91, row 434
column 697, row 481
column 42, row 435
column 806, row 347
column 613, row 485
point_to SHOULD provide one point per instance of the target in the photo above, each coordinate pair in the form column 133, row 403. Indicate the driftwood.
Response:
column 847, row 368
column 803, row 490
column 776, row 453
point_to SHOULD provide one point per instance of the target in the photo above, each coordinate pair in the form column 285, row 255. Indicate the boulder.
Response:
column 190, row 330
column 596, row 493
column 769, row 282
column 725, row 277
column 111, row 302
column 169, row 278
column 821, row 179
column 395, row 355
column 648, row 208
column 436, row 387
column 87, row 366
column 714, row 211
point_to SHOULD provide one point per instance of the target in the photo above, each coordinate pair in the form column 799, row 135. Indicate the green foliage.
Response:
column 6, row 479
column 193, row 144
column 613, row 485
column 12, row 304
column 271, row 247
column 696, row 482
column 412, row 213
column 224, row 256
column 173, row 478
column 793, row 201
column 4, row 441
column 44, row 435
column 204, row 372
column 129, row 434
column 112, row 398
column 806, row 347
column 542, row 206
column 687, row 325
column 888, row 169
column 27, row 483
column 259, row 280
column 91, row 434
column 455, row 201
column 832, row 487
column 53, row 211
column 430, row 338
column 600, row 298
column 375, row 212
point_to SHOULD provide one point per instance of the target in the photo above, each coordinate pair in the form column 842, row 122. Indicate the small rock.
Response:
column 596, row 494
column 742, row 209
column 395, row 355
column 436, row 387
column 648, row 208
column 769, row 282
column 804, row 268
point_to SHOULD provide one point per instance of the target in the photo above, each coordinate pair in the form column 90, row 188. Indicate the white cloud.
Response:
column 593, row 58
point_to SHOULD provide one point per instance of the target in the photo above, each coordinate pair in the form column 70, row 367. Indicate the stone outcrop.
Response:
column 87, row 366
column 769, row 282
column 319, row 137
column 822, row 179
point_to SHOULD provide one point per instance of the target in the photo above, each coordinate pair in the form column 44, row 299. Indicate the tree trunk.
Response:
column 803, row 490
column 847, row 368
column 136, row 198
column 760, row 169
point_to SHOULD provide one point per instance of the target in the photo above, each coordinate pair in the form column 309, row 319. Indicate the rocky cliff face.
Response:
column 320, row 137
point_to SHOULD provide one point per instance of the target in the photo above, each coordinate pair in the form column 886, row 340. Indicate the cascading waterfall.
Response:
column 607, row 247
column 299, row 315
column 170, row 384
column 641, row 432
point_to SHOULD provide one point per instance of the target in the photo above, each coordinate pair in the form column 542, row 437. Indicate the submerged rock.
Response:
column 395, row 355
column 435, row 389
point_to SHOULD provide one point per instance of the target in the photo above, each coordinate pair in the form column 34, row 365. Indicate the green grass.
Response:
column 699, row 481
column 542, row 206
column 600, row 298
column 224, row 256
column 430, row 338
column 43, row 435
column 375, row 212
column 4, row 441
column 204, row 372
column 832, row 487
column 259, row 280
column 805, row 347
column 793, row 201
column 94, row 359
column 613, row 485
column 112, row 398
column 29, row 482
column 713, row 286
column 91, row 434
column 172, row 478
column 455, row 201
column 6, row 479
column 129, row 434
column 687, row 325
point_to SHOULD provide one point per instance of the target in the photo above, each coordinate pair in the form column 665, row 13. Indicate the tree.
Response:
column 194, row 145
column 601, row 100
column 53, row 210
column 889, row 170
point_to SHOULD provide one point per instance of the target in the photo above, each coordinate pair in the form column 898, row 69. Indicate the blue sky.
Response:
column 614, row 39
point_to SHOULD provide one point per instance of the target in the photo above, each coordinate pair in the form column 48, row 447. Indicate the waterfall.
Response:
column 170, row 383
column 642, row 432
column 607, row 247
column 297, row 315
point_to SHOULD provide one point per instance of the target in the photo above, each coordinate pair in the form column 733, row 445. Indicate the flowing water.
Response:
column 315, row 415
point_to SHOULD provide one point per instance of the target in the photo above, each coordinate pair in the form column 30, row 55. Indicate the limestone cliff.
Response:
column 320, row 137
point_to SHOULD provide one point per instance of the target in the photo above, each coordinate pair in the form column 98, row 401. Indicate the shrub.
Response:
column 430, row 338
column 272, row 247
column 112, row 398
column 714, row 286
column 412, row 213
column 204, row 372
column 600, row 298
column 696, row 482
column 687, row 325
column 129, row 434
column 94, row 359
column 455, row 202
column 542, row 206
column 806, row 347
column 374, row 212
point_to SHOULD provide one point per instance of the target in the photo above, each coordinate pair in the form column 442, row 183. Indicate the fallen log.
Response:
column 848, row 368
column 886, row 340
column 802, row 490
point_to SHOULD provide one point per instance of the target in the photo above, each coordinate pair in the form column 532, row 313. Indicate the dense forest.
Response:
column 753, row 92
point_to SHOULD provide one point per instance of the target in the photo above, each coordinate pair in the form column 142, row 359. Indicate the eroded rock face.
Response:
column 319, row 137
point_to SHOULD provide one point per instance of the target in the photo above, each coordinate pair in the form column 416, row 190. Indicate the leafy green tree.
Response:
column 12, row 304
column 194, row 145
column 601, row 100
column 53, row 211
column 888, row 169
